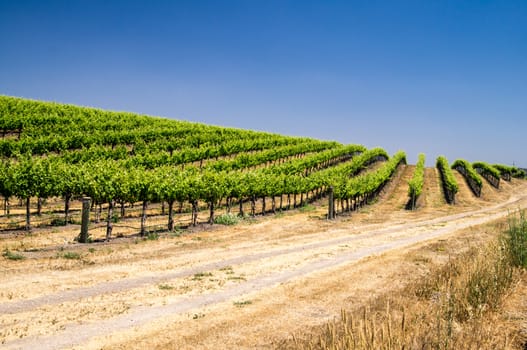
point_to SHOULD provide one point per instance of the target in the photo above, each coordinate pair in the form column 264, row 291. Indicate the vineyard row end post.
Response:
column 86, row 204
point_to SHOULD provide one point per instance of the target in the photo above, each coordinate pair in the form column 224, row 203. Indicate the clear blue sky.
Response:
column 434, row 76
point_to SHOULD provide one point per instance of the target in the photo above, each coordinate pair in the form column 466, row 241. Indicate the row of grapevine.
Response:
column 448, row 181
column 44, row 127
column 490, row 173
column 505, row 171
column 242, row 158
column 508, row 172
column 358, row 190
column 107, row 181
column 519, row 173
column 471, row 176
column 415, row 185
column 323, row 160
column 139, row 145
column 37, row 118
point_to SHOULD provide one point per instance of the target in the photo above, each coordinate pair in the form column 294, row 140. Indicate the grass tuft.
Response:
column 70, row 255
column 12, row 256
column 152, row 236
column 227, row 219
column 199, row 276
column 242, row 303
column 516, row 239
column 307, row 208
column 165, row 287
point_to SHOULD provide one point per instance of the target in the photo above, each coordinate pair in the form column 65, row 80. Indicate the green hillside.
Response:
column 52, row 150
column 65, row 152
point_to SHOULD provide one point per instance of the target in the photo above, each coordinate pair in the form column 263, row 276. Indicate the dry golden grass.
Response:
column 461, row 305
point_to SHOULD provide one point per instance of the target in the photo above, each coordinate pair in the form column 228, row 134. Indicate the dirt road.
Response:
column 241, row 287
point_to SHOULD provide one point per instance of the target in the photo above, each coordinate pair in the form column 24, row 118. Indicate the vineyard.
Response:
column 202, row 236
column 55, row 153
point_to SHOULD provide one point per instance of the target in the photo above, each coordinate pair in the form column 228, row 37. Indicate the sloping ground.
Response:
column 489, row 192
column 247, row 286
column 465, row 197
column 432, row 196
column 396, row 192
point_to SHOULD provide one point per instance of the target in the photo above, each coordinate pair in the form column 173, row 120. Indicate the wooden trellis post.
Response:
column 86, row 204
column 331, row 206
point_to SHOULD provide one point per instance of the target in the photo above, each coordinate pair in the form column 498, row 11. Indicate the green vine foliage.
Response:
column 415, row 185
column 469, row 171
column 448, row 179
column 472, row 177
column 58, row 150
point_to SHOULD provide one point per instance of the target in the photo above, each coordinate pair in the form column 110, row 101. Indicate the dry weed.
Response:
column 458, row 306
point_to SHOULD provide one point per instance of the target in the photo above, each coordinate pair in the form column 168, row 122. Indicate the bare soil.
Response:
column 252, row 285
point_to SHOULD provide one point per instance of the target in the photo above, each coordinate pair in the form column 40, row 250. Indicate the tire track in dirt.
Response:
column 400, row 236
